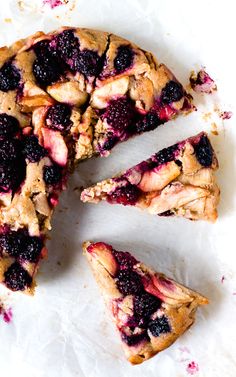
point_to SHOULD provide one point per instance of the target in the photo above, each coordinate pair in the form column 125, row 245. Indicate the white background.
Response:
column 64, row 330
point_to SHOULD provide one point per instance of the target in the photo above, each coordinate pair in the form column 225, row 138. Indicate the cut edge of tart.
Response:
column 149, row 309
column 176, row 181
column 64, row 97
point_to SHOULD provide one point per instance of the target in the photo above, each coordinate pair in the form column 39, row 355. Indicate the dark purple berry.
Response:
column 8, row 178
column 65, row 45
column 125, row 260
column 42, row 49
column 8, row 125
column 88, row 63
column 149, row 122
column 129, row 282
column 173, row 91
column 46, row 70
column 119, row 114
column 9, row 77
column 124, row 58
column 32, row 149
column 52, row 174
column 166, row 154
column 9, row 150
column 126, row 195
column 11, row 243
column 204, row 151
column 145, row 305
column 133, row 340
column 159, row 326
column 109, row 143
column 31, row 248
column 17, row 278
column 58, row 117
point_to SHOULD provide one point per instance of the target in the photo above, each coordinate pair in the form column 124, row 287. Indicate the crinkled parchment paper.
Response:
column 64, row 330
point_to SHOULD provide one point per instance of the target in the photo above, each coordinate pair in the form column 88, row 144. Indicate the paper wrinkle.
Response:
column 64, row 330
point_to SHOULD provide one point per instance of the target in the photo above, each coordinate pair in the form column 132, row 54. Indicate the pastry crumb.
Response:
column 206, row 116
column 8, row 20
column 214, row 130
column 201, row 82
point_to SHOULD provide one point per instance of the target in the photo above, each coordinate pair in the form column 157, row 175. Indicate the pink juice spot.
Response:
column 222, row 279
column 226, row 114
column 53, row 3
column 7, row 315
column 192, row 368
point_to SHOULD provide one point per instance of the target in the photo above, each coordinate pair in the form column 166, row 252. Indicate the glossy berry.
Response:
column 32, row 149
column 159, row 326
column 166, row 154
column 126, row 195
column 149, row 122
column 125, row 260
column 58, row 117
column 119, row 114
column 88, row 63
column 204, row 151
column 17, row 278
column 11, row 243
column 31, row 248
column 109, row 143
column 124, row 58
column 66, row 45
column 145, row 305
column 173, row 91
column 9, row 77
column 8, row 177
column 8, row 125
column 46, row 70
column 9, row 150
column 133, row 340
column 42, row 49
column 52, row 174
column 129, row 282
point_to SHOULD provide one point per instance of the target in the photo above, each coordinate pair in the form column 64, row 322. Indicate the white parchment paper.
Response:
column 64, row 330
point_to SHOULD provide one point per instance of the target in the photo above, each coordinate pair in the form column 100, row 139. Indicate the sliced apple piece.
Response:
column 68, row 92
column 54, row 143
column 102, row 95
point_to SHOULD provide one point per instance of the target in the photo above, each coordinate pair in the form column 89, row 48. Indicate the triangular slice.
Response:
column 66, row 96
column 149, row 309
column 178, row 180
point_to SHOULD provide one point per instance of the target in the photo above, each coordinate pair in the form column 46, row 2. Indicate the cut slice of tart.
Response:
column 66, row 96
column 178, row 180
column 149, row 309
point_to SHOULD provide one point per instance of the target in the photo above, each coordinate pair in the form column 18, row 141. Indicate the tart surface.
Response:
column 150, row 310
column 66, row 96
column 178, row 180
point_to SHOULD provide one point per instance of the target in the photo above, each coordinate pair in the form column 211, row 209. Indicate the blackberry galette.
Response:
column 149, row 309
column 64, row 97
column 178, row 180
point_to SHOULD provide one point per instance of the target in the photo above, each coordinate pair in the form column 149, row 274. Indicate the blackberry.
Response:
column 129, row 282
column 126, row 195
column 17, row 278
column 124, row 58
column 11, row 243
column 58, row 117
column 52, row 174
column 204, row 151
column 88, row 63
column 46, row 70
column 145, row 305
column 109, row 143
column 31, row 248
column 159, row 326
column 166, row 154
column 9, row 77
column 65, row 45
column 126, row 260
column 9, row 150
column 119, row 114
column 173, row 91
column 149, row 122
column 8, row 125
column 8, row 178
column 133, row 340
column 32, row 149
